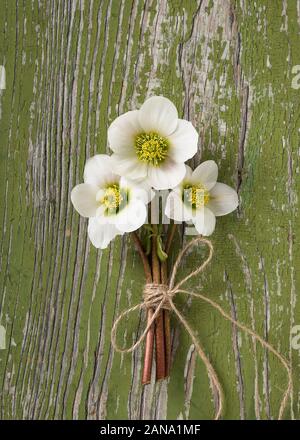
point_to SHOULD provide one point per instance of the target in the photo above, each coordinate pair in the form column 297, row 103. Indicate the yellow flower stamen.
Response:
column 113, row 199
column 151, row 148
column 196, row 196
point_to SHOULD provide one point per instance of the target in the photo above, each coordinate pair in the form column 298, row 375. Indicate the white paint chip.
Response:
column 2, row 338
column 2, row 78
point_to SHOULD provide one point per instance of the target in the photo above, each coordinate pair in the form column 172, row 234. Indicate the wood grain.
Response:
column 71, row 67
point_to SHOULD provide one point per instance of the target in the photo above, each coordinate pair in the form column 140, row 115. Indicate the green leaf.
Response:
column 162, row 255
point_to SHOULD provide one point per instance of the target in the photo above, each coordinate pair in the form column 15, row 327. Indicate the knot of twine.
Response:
column 157, row 295
column 160, row 296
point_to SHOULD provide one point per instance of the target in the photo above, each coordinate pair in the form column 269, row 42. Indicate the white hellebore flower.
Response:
column 113, row 204
column 152, row 144
column 200, row 198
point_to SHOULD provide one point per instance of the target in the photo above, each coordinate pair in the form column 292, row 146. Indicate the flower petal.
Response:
column 166, row 176
column 83, row 197
column 140, row 190
column 123, row 131
column 205, row 221
column 158, row 115
column 101, row 234
column 98, row 170
column 176, row 209
column 132, row 217
column 188, row 173
column 129, row 166
column 183, row 142
column 223, row 199
column 206, row 173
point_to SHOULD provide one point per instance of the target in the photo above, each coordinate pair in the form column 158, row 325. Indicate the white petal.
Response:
column 223, row 199
column 158, row 115
column 176, row 209
column 132, row 217
column 166, row 176
column 205, row 221
column 100, row 214
column 188, row 173
column 129, row 166
column 83, row 197
column 101, row 234
column 206, row 173
column 123, row 131
column 138, row 190
column 183, row 142
column 100, row 194
column 98, row 170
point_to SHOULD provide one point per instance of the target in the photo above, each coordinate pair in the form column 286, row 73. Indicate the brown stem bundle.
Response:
column 159, row 323
column 159, row 332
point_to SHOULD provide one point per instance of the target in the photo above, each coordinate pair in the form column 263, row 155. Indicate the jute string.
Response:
column 159, row 296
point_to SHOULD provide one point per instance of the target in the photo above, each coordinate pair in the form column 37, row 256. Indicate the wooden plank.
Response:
column 71, row 68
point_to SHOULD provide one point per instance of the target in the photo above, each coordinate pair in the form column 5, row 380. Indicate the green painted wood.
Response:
column 71, row 68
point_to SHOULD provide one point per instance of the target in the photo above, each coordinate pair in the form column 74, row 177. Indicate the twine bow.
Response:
column 161, row 296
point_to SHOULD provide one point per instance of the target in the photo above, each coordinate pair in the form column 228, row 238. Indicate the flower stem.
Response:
column 146, row 265
column 171, row 233
column 166, row 319
column 148, row 359
column 149, row 346
column 159, row 323
column 164, row 280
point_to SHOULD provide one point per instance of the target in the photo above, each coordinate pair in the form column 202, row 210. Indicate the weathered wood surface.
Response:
column 71, row 68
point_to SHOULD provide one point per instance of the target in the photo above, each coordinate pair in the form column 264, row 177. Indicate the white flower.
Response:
column 152, row 144
column 199, row 198
column 113, row 204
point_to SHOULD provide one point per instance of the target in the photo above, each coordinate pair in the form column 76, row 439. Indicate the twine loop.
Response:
column 160, row 296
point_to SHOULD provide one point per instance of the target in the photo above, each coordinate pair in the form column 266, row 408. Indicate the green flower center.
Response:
column 195, row 196
column 151, row 148
column 114, row 199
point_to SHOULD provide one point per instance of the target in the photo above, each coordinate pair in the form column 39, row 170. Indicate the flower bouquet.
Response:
column 150, row 147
